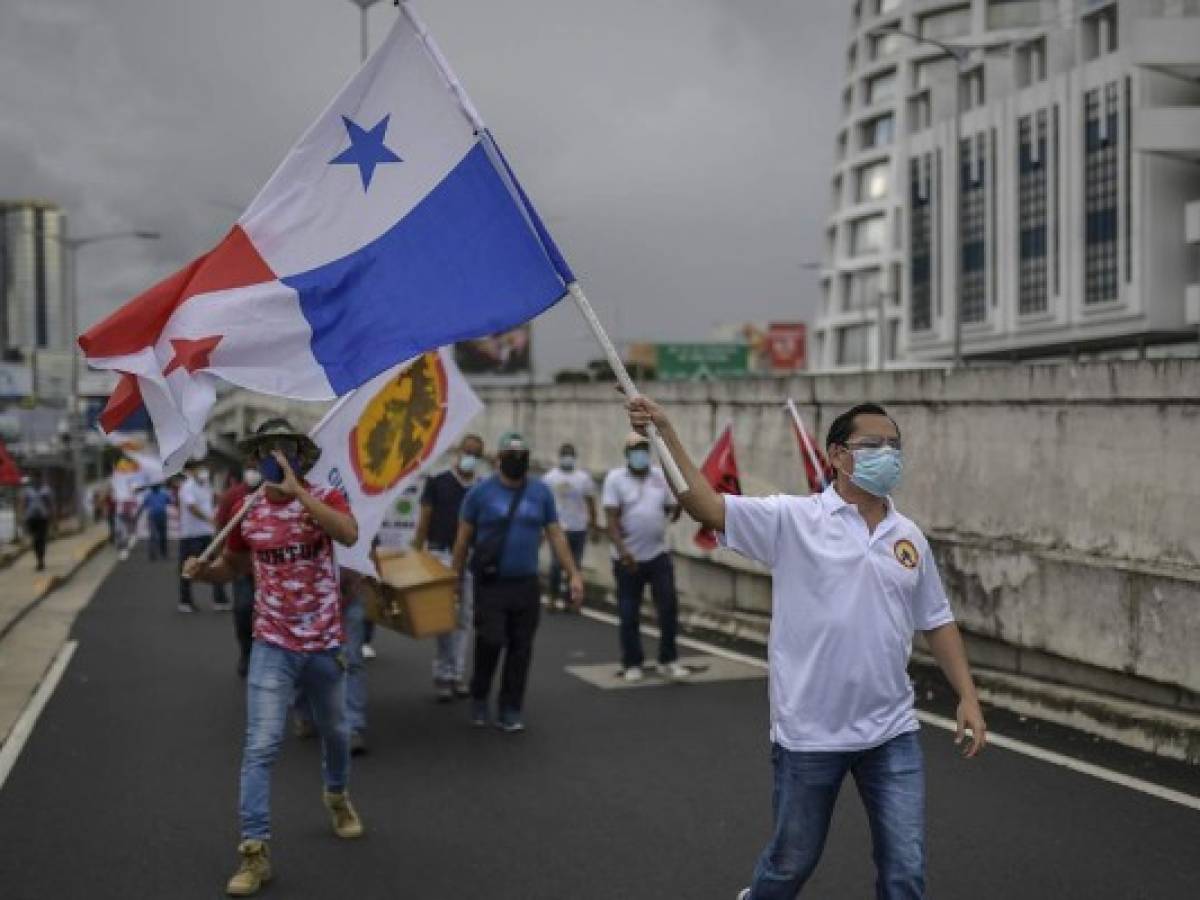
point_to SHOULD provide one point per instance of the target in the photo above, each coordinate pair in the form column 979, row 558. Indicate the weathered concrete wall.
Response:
column 1063, row 501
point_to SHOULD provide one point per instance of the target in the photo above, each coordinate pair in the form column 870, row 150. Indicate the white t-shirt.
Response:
column 643, row 504
column 193, row 493
column 571, row 490
column 845, row 606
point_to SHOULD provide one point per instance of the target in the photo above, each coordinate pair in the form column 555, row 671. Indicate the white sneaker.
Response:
column 633, row 674
column 123, row 555
column 368, row 652
column 675, row 671
column 744, row 895
column 186, row 608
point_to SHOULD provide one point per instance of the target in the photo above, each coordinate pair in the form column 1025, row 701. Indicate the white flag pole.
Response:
column 670, row 467
column 808, row 447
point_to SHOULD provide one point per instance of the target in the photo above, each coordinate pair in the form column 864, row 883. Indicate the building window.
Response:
column 920, row 112
column 880, row 87
column 1032, row 293
column 878, row 132
column 852, row 345
column 873, row 182
column 920, row 255
column 841, row 146
column 1031, row 63
column 851, row 57
column 950, row 23
column 860, row 290
column 1013, row 13
column 972, row 230
column 847, row 101
column 868, row 235
column 836, row 191
column 971, row 94
column 1100, row 33
column 1100, row 194
column 885, row 45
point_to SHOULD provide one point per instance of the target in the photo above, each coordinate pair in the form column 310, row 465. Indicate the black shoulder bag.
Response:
column 485, row 561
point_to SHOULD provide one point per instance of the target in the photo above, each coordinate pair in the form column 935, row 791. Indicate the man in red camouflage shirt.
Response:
column 286, row 539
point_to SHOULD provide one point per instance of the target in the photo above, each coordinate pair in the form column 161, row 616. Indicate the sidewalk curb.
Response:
column 48, row 584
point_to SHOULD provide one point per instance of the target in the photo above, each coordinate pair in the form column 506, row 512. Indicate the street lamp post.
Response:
column 961, row 54
column 363, row 7
column 70, row 248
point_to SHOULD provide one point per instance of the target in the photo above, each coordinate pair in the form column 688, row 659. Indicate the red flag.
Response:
column 721, row 471
column 10, row 474
column 817, row 481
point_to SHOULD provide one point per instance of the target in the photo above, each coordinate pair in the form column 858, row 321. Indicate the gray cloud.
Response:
column 679, row 149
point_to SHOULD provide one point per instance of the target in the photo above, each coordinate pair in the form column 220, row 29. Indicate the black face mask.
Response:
column 514, row 465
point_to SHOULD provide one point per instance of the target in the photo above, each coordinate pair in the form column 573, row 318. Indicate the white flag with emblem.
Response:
column 384, row 435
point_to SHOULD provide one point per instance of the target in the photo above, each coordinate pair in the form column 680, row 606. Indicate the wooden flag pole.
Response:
column 670, row 467
column 217, row 542
column 806, row 443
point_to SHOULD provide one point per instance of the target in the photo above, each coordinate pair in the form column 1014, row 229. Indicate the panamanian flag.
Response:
column 393, row 227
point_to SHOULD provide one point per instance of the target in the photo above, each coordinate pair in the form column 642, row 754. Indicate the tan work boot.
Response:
column 346, row 823
column 253, row 873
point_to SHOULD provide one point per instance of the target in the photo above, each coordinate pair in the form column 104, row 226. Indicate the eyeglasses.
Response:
column 874, row 443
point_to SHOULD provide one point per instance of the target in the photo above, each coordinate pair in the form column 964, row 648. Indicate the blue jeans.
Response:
column 354, row 621
column 577, row 541
column 450, row 660
column 659, row 573
column 271, row 684
column 891, row 783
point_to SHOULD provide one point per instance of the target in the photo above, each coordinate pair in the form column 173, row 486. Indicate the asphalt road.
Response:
column 128, row 788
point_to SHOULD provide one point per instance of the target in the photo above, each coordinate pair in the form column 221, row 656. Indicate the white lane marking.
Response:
column 23, row 727
column 998, row 740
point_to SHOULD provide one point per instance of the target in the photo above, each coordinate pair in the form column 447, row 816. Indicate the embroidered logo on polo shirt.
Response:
column 906, row 553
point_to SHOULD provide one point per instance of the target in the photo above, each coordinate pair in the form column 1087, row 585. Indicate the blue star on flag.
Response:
column 366, row 149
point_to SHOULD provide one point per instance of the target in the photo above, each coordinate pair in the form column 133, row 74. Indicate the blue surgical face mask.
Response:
column 467, row 462
column 877, row 470
column 639, row 459
column 566, row 462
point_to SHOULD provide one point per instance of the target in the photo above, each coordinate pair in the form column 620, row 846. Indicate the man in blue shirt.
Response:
column 155, row 504
column 501, row 525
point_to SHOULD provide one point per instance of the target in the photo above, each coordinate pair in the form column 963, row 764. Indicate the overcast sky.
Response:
column 679, row 150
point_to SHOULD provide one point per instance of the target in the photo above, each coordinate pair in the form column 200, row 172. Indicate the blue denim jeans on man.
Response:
column 274, row 678
column 354, row 621
column 659, row 573
column 450, row 657
column 891, row 783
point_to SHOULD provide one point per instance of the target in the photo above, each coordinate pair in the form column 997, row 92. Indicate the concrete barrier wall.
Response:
column 1063, row 501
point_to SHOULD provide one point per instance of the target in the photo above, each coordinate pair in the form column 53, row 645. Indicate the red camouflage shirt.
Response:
column 297, row 604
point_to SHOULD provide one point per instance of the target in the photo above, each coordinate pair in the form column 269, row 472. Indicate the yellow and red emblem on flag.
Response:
column 399, row 426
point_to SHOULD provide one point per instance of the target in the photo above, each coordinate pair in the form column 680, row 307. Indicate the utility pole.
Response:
column 364, row 7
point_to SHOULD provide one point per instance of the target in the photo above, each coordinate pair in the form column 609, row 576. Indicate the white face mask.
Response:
column 202, row 476
column 253, row 478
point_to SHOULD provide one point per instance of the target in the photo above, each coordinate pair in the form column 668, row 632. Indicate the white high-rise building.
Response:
column 32, row 309
column 1074, row 223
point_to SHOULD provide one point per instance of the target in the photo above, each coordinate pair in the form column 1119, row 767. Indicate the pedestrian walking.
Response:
column 286, row 538
column 437, row 525
column 196, row 531
column 502, row 522
column 574, row 492
column 37, row 512
column 852, row 580
column 637, row 505
column 156, row 501
column 243, row 584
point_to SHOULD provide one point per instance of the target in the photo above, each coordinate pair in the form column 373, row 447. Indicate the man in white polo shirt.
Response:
column 637, row 503
column 852, row 580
